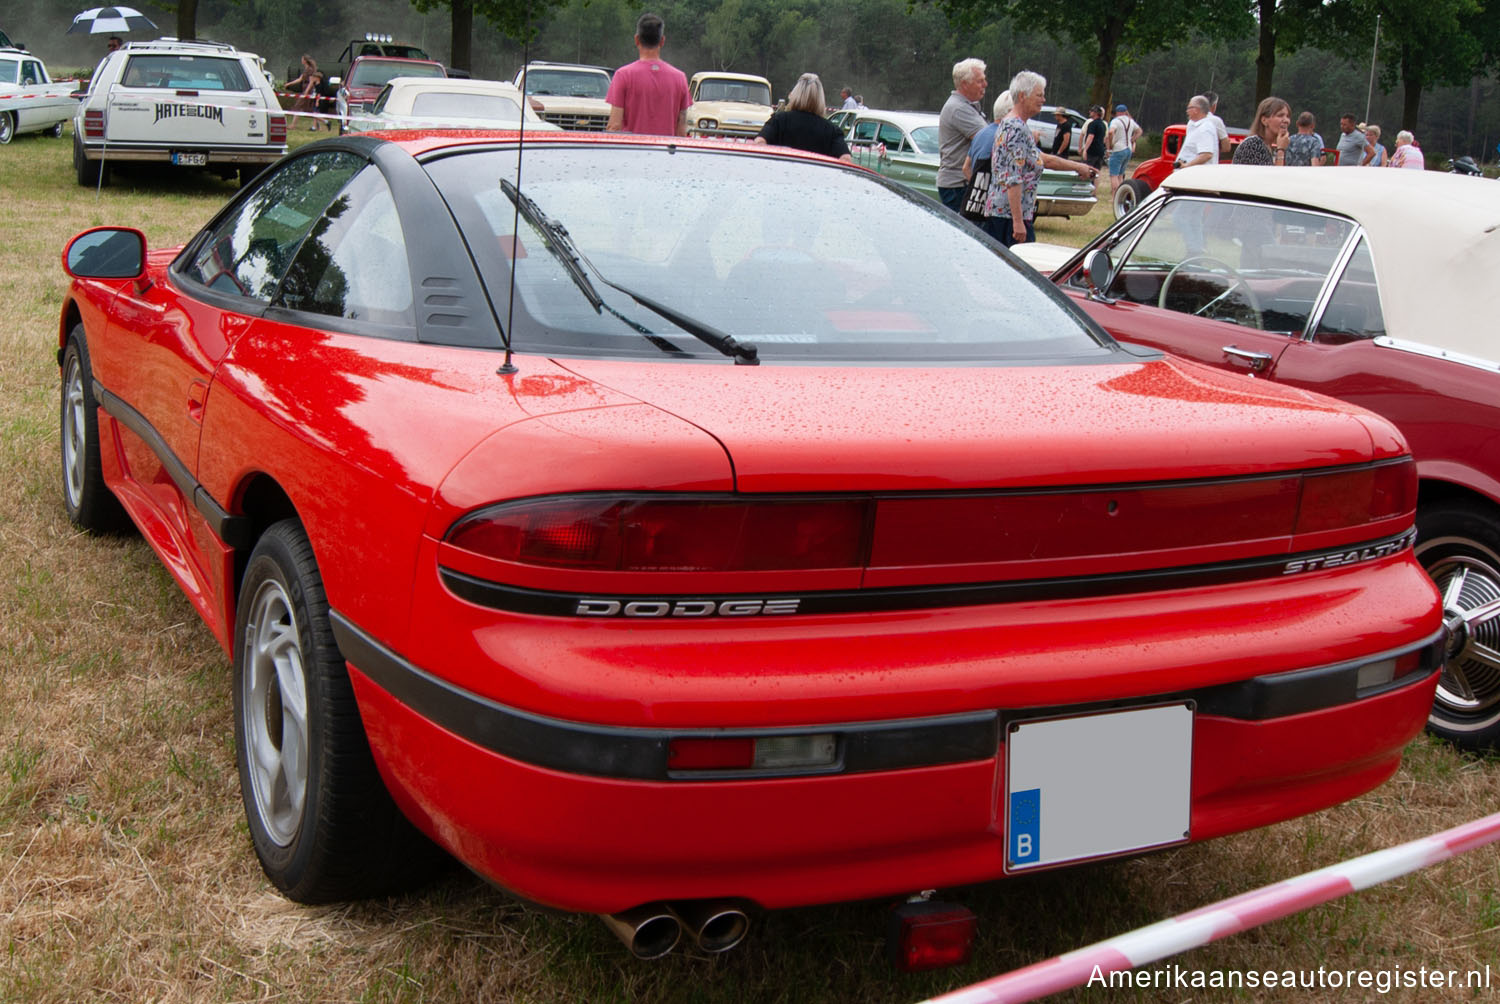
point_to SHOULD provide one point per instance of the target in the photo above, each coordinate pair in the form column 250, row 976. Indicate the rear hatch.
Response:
column 182, row 99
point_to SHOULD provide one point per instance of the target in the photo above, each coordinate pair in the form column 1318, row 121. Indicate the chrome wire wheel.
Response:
column 274, row 712
column 7, row 127
column 74, row 432
column 1469, row 687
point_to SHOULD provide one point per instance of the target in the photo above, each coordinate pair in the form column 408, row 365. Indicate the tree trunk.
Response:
column 461, row 54
column 1413, row 91
column 187, row 19
column 1265, row 59
column 1104, row 62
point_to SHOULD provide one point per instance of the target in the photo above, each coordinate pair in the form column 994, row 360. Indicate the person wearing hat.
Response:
column 1120, row 139
column 1374, row 151
column 1062, row 133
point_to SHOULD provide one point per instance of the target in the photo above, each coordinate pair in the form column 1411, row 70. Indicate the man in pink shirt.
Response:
column 649, row 96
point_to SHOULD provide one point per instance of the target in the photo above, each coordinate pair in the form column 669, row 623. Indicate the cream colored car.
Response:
column 569, row 95
column 728, row 104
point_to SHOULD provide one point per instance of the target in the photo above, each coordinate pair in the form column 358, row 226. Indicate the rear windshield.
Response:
column 183, row 72
column 486, row 107
column 760, row 247
column 734, row 90
column 567, row 83
column 379, row 72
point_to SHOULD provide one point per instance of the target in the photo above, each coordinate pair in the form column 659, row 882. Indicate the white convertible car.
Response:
column 449, row 103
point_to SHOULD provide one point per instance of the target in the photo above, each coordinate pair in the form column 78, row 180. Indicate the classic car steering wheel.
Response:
column 1246, row 313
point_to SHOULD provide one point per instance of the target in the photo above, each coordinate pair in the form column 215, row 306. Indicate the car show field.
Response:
column 126, row 869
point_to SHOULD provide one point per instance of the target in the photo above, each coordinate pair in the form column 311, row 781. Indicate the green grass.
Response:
column 126, row 872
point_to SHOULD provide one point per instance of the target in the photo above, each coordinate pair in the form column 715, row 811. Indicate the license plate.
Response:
column 1097, row 785
column 190, row 159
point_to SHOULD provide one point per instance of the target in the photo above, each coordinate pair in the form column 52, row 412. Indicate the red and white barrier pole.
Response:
column 1230, row 916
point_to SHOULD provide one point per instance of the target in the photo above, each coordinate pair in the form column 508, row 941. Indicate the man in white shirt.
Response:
column 1202, row 143
column 849, row 104
column 1120, row 139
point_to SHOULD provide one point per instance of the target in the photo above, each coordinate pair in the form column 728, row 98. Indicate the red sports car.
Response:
column 643, row 527
column 1358, row 284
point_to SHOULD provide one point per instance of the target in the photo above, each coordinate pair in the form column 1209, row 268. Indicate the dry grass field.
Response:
column 126, row 872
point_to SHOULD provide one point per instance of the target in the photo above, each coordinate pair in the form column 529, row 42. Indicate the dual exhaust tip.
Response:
column 653, row 930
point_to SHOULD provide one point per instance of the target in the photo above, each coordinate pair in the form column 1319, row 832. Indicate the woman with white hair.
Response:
column 1408, row 154
column 1016, row 165
column 803, row 125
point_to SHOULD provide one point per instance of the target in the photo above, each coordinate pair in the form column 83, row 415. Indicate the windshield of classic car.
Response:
column 570, row 83
column 9, row 71
column 747, row 91
column 1244, row 263
column 758, row 247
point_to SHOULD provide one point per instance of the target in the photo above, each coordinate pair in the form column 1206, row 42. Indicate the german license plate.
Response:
column 190, row 159
column 1097, row 785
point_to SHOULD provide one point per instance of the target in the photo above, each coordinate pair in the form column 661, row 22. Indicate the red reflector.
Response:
column 711, row 754
column 277, row 131
column 1353, row 498
column 928, row 935
column 93, row 123
column 648, row 534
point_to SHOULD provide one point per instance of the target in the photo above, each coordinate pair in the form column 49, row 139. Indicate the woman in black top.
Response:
column 803, row 126
column 1266, row 145
column 1062, row 135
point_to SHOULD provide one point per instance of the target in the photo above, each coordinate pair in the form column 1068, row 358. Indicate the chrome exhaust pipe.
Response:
column 714, row 925
column 649, row 931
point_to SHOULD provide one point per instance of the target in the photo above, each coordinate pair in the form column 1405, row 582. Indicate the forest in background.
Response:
column 895, row 54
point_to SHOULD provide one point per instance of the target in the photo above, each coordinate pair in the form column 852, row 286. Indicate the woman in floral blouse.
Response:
column 1017, row 163
column 1268, row 139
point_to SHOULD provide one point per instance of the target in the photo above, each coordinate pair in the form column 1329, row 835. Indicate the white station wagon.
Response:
column 192, row 104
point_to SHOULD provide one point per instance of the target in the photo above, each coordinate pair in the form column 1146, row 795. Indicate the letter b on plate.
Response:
column 1025, row 826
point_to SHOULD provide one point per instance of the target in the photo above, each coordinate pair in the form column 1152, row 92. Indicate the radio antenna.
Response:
column 509, row 367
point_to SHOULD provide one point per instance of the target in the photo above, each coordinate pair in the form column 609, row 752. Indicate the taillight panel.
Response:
column 677, row 545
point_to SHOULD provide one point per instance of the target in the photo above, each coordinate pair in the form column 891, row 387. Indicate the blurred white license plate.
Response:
column 1096, row 785
column 190, row 159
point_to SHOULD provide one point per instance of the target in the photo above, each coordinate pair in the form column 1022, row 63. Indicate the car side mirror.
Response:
column 1098, row 273
column 107, row 253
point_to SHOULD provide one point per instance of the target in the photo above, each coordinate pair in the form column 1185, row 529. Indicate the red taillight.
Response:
column 93, row 123
column 646, row 534
column 1343, row 499
column 276, row 132
column 929, row 935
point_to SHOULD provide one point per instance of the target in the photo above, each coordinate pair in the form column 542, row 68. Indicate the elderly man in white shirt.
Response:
column 1201, row 146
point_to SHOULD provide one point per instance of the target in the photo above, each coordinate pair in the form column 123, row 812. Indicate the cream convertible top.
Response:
column 1435, row 238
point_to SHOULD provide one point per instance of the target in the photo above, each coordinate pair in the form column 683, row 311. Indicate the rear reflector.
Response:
column 929, row 935
column 770, row 753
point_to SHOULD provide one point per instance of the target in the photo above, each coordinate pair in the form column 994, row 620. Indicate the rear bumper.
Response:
column 159, row 153
column 1064, row 205
column 588, row 818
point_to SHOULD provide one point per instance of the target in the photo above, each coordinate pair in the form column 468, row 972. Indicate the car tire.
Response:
column 7, row 127
column 90, row 172
column 88, row 500
column 248, row 173
column 1129, row 195
column 323, row 825
column 56, row 131
column 1459, row 545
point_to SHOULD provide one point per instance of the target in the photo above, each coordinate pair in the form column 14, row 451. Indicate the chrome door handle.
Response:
column 1257, row 361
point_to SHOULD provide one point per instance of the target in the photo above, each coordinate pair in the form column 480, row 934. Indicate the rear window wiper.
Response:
column 573, row 260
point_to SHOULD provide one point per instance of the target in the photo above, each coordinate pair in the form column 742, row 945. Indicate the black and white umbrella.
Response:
column 109, row 21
